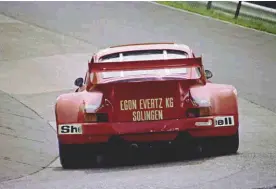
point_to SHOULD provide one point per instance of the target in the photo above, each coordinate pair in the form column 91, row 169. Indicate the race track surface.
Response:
column 26, row 140
column 46, row 45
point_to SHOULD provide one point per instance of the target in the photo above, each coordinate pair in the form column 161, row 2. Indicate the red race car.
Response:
column 144, row 95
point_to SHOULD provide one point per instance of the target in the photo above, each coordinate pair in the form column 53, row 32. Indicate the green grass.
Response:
column 261, row 25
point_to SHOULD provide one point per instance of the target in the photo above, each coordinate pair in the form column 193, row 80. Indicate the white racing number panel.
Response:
column 71, row 129
column 224, row 121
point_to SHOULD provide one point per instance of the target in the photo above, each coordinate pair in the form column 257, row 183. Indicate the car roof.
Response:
column 143, row 46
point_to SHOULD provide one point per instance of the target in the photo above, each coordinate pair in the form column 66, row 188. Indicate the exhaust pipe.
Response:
column 134, row 146
column 199, row 149
column 99, row 159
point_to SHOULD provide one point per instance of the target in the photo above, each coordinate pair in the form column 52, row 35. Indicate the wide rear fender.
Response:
column 70, row 106
column 222, row 98
column 225, row 100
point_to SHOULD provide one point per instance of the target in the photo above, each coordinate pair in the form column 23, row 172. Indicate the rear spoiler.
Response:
column 151, row 64
column 144, row 65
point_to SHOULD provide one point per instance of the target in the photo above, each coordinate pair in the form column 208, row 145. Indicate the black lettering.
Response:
column 226, row 121
column 74, row 129
column 65, row 129
column 220, row 122
column 230, row 120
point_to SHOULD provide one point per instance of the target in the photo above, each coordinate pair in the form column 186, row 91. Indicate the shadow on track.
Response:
column 142, row 158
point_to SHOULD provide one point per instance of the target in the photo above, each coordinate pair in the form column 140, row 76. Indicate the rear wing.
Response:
column 146, row 64
column 150, row 64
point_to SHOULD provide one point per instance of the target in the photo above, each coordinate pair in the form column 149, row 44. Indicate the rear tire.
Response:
column 231, row 144
column 221, row 145
column 78, row 156
column 68, row 157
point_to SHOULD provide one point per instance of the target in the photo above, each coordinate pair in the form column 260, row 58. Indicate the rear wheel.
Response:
column 230, row 144
column 68, row 156
column 79, row 156
column 222, row 145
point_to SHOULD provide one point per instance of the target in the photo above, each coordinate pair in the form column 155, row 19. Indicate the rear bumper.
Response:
column 165, row 130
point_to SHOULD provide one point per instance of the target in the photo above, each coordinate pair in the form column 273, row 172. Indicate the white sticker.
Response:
column 224, row 121
column 72, row 129
column 209, row 123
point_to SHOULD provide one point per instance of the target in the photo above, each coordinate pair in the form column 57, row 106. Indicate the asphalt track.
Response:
column 43, row 52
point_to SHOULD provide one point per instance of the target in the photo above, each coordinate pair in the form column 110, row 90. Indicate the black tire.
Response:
column 220, row 145
column 78, row 156
column 231, row 144
column 68, row 158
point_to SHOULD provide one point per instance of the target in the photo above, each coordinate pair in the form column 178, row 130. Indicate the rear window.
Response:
column 144, row 55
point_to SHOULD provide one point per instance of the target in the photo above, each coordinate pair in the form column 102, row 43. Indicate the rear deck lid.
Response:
column 151, row 97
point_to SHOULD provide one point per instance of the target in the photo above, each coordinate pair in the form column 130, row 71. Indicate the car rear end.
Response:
column 145, row 110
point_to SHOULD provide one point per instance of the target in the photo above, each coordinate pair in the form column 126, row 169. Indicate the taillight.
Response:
column 95, row 117
column 198, row 112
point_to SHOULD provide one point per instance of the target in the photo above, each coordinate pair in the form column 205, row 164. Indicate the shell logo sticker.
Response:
column 224, row 121
column 71, row 129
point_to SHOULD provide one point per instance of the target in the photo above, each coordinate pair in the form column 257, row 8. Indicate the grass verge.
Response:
column 245, row 21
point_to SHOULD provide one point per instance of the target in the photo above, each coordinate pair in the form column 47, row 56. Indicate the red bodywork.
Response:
column 146, row 108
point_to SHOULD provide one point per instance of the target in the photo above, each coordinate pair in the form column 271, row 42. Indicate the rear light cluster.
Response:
column 198, row 112
column 95, row 117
